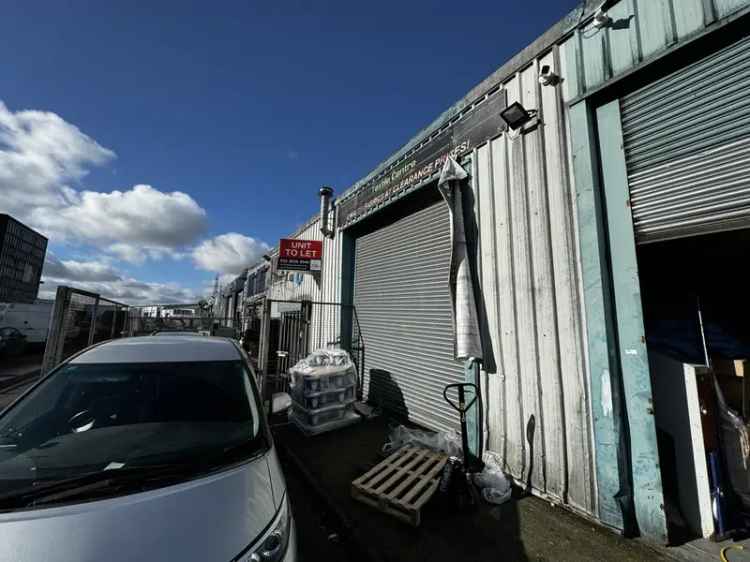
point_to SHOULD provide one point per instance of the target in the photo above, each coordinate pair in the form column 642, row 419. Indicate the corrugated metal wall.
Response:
column 536, row 394
column 317, row 287
column 536, row 384
column 641, row 30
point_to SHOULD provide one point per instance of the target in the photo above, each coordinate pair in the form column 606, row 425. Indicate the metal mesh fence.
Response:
column 77, row 324
column 276, row 334
column 111, row 321
column 206, row 325
column 80, row 319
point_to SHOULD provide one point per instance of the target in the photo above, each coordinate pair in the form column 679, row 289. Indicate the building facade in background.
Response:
column 22, row 252
column 603, row 225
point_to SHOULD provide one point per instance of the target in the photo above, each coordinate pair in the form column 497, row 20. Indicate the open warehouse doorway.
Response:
column 676, row 151
column 697, row 322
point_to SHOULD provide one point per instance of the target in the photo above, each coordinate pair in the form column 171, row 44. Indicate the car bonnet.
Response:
column 209, row 518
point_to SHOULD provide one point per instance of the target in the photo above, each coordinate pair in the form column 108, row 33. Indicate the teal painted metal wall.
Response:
column 642, row 30
column 633, row 357
column 594, row 270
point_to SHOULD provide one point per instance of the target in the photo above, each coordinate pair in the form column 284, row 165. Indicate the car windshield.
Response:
column 87, row 418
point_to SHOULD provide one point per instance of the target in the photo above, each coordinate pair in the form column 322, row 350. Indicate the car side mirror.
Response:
column 280, row 402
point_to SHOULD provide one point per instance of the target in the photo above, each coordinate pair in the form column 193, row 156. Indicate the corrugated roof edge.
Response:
column 522, row 58
column 518, row 61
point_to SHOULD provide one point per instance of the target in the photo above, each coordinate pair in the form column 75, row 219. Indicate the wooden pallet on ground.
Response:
column 402, row 483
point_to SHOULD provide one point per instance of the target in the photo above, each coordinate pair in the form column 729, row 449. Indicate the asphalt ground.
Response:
column 18, row 368
column 524, row 529
column 320, row 535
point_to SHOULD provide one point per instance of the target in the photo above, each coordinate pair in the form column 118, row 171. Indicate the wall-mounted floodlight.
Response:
column 326, row 193
column 267, row 258
column 548, row 77
column 516, row 116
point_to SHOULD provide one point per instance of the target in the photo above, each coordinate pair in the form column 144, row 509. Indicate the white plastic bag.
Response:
column 336, row 357
column 496, row 487
column 496, row 496
column 448, row 443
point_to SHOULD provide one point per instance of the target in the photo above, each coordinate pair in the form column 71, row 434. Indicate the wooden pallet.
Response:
column 402, row 483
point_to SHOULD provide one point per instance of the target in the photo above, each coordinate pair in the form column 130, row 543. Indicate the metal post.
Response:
column 56, row 332
column 306, row 315
column 265, row 333
column 114, row 323
column 92, row 327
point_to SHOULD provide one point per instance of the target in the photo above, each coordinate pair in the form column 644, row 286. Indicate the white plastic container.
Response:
column 323, row 415
column 350, row 417
column 314, row 400
column 321, row 379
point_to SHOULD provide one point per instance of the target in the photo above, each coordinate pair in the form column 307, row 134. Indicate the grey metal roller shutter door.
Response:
column 403, row 305
column 687, row 147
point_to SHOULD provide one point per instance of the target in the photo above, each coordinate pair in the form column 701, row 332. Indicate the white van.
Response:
column 31, row 319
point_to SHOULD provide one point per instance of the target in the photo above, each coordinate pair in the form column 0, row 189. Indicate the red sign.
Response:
column 300, row 255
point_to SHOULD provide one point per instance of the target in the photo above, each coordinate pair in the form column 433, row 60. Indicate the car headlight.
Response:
column 273, row 546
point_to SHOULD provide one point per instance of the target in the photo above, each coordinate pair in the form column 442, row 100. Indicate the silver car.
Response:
column 152, row 448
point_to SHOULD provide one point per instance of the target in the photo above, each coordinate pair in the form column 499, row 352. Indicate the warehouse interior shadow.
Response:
column 695, row 315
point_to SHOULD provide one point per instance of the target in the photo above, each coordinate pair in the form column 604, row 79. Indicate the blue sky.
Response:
column 245, row 107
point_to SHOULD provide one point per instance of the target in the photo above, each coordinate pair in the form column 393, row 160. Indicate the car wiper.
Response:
column 92, row 482
column 210, row 459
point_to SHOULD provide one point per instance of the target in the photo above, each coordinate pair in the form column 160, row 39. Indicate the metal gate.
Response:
column 293, row 334
column 80, row 319
column 402, row 297
column 687, row 147
column 290, row 330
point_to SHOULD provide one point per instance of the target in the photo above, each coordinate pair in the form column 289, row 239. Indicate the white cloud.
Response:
column 43, row 163
column 128, row 291
column 101, row 278
column 74, row 270
column 229, row 253
column 43, row 159
column 40, row 154
column 141, row 216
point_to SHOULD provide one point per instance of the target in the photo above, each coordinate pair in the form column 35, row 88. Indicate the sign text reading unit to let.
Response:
column 300, row 255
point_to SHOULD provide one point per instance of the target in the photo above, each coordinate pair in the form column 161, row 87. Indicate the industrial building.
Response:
column 609, row 181
column 22, row 252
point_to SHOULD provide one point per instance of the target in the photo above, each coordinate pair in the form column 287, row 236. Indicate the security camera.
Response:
column 601, row 18
column 547, row 77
